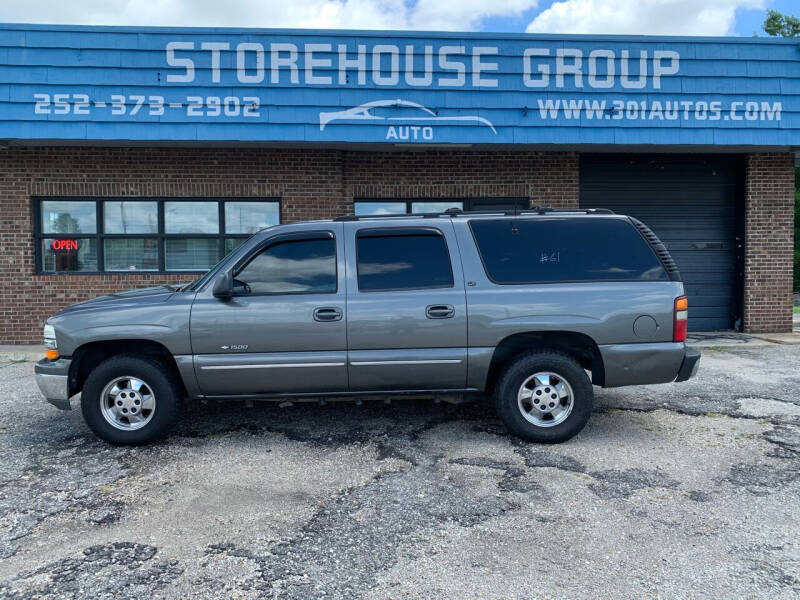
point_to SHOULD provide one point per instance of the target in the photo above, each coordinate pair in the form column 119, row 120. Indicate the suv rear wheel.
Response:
column 131, row 400
column 544, row 396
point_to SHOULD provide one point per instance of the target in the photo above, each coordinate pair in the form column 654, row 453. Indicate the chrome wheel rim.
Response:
column 127, row 403
column 545, row 399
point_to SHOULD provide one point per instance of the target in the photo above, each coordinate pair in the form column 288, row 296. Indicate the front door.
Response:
column 406, row 307
column 284, row 331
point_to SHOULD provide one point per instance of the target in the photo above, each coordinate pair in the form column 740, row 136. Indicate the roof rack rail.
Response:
column 397, row 216
column 548, row 209
column 457, row 212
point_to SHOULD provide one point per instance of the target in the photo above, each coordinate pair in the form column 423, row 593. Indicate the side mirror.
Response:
column 223, row 286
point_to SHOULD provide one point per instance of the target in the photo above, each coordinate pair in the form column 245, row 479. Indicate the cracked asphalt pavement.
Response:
column 675, row 491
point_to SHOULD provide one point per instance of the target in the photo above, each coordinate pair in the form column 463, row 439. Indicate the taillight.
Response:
column 681, row 319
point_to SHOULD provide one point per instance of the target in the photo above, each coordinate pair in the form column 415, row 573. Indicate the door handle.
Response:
column 328, row 313
column 440, row 311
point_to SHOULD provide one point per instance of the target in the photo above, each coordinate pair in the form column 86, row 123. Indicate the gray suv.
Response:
column 529, row 307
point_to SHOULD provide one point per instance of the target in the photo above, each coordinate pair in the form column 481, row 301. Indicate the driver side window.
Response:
column 291, row 267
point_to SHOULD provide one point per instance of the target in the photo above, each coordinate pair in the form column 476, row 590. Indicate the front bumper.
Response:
column 52, row 377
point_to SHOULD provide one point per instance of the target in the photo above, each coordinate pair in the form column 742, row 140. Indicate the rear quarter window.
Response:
column 552, row 249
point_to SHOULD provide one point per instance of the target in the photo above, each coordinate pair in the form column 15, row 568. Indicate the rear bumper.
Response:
column 689, row 366
column 52, row 377
column 643, row 364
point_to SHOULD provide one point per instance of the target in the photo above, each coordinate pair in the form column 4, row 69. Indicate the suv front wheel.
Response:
column 544, row 396
column 131, row 400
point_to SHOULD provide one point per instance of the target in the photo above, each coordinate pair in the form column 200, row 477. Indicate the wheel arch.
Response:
column 90, row 354
column 579, row 346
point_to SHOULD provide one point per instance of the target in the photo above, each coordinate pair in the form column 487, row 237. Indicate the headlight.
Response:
column 50, row 345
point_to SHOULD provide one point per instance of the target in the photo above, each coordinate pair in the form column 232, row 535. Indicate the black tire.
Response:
column 526, row 365
column 160, row 379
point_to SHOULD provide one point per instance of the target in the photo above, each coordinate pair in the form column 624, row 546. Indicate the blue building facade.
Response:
column 133, row 155
column 322, row 87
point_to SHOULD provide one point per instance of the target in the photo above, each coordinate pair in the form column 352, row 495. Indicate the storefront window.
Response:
column 191, row 254
column 144, row 234
column 69, row 216
column 250, row 217
column 398, row 207
column 69, row 254
column 232, row 244
column 191, row 217
column 130, row 254
column 379, row 208
column 123, row 216
column 435, row 207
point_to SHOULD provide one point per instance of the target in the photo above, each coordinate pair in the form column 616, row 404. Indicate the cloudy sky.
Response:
column 677, row 17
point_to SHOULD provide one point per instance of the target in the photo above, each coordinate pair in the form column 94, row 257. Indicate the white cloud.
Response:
column 646, row 17
column 464, row 15
column 334, row 14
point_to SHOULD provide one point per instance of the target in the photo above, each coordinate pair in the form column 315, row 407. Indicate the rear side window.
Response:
column 402, row 259
column 564, row 249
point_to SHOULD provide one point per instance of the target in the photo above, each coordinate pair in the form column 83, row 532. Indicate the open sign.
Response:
column 64, row 245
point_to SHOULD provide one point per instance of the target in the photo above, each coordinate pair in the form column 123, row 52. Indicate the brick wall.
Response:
column 544, row 178
column 312, row 185
column 769, row 239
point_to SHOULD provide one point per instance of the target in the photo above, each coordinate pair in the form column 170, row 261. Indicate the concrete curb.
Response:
column 11, row 353
column 779, row 338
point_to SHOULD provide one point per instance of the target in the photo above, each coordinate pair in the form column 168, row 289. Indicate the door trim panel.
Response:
column 270, row 359
column 272, row 366
column 376, row 363
column 407, row 368
column 272, row 372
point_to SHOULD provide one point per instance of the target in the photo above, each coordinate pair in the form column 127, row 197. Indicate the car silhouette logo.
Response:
column 363, row 112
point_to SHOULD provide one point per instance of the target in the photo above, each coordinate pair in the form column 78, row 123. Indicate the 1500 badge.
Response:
column 235, row 347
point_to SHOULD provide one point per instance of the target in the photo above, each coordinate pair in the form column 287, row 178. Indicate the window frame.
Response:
column 283, row 238
column 100, row 236
column 399, row 232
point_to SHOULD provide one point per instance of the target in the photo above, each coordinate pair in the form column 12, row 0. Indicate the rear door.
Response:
column 406, row 306
column 285, row 329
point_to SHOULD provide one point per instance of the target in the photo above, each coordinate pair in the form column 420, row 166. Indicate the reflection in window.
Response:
column 250, row 217
column 191, row 217
column 307, row 266
column 397, row 262
column 435, row 207
column 379, row 208
column 69, row 216
column 124, row 216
